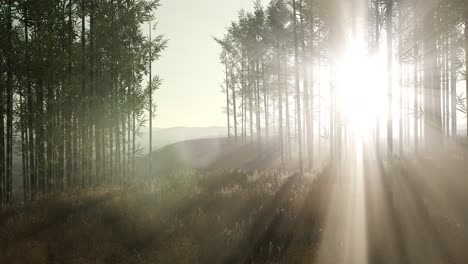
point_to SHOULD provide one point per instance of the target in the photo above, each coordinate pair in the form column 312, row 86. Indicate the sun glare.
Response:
column 362, row 95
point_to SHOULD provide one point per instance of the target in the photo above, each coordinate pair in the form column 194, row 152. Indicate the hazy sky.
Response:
column 190, row 67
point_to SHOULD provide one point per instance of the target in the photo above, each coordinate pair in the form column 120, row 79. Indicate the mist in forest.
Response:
column 219, row 131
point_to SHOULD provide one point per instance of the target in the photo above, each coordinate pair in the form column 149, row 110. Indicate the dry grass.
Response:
column 215, row 216
column 415, row 214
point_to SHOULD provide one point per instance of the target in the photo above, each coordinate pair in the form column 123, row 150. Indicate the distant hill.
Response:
column 166, row 136
column 211, row 153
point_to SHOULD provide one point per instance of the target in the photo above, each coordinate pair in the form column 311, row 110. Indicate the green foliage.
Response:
column 77, row 82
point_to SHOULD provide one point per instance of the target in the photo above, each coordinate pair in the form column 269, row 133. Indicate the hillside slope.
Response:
column 165, row 136
column 208, row 154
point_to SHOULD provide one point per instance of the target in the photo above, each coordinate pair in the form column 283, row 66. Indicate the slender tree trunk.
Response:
column 453, row 86
column 129, row 140
column 242, row 101
column 133, row 138
column 112, row 158
column 40, row 136
column 319, row 111
column 447, row 84
column 2, row 150
column 50, row 112
column 280, row 106
column 377, row 48
column 408, row 120
column 83, row 95
column 123, row 134
column 23, row 147
column 150, row 108
column 119, row 105
column 288, row 115
column 441, row 62
column 331, row 121
column 9, row 106
column 466, row 63
column 415, row 84
column 298, row 92
column 227, row 102
column 257, row 105
column 432, row 116
column 400, row 79
column 251, row 89
column 234, row 105
column 265, row 103
column 389, row 22
column 49, row 131
column 30, row 115
column 307, row 88
column 95, row 108
column 67, row 112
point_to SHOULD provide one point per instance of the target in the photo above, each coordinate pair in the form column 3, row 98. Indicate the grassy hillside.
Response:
column 191, row 217
column 215, row 153
column 410, row 212
column 166, row 136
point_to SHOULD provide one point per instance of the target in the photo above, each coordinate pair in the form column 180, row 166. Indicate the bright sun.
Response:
column 362, row 89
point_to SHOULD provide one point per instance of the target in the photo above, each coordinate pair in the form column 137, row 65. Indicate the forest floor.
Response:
column 361, row 210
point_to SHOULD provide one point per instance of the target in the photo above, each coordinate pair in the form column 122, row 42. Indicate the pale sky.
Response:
column 190, row 68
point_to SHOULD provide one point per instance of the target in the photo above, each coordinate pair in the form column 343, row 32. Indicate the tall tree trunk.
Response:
column 123, row 134
column 298, row 92
column 389, row 22
column 41, row 162
column 400, row 79
column 133, row 137
column 83, row 96
column 112, row 99
column 331, row 132
column 234, row 105
column 447, row 84
column 408, row 120
column 9, row 106
column 24, row 150
column 466, row 64
column 96, row 116
column 2, row 148
column 49, row 131
column 243, row 102
column 251, row 88
column 453, row 86
column 415, row 81
column 30, row 115
column 288, row 115
column 432, row 120
column 319, row 111
column 50, row 110
column 119, row 105
column 305, row 72
column 280, row 106
column 150, row 107
column 265, row 103
column 377, row 48
column 68, row 110
column 257, row 104
column 227, row 102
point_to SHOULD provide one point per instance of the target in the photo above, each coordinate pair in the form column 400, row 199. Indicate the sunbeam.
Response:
column 362, row 97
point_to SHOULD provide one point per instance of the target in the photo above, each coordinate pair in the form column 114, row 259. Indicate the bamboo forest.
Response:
column 233, row 131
